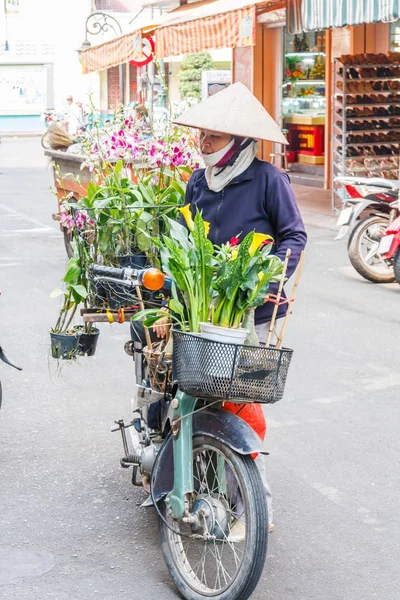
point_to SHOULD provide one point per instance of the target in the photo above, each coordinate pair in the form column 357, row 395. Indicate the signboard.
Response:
column 213, row 82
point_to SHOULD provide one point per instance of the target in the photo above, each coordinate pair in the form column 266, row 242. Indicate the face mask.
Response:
column 213, row 159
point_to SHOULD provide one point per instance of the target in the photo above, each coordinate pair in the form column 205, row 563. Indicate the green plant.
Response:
column 190, row 74
column 187, row 257
column 75, row 293
column 243, row 278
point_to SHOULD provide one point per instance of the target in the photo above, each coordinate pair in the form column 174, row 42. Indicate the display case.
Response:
column 366, row 118
column 303, row 84
column 303, row 101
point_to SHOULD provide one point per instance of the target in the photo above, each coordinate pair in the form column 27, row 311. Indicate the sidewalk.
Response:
column 316, row 206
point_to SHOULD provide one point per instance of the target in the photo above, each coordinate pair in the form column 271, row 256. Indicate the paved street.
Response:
column 71, row 527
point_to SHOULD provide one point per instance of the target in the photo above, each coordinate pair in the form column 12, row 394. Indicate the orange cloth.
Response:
column 251, row 413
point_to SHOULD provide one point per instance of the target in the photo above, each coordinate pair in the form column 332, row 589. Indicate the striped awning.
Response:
column 312, row 15
column 115, row 52
column 219, row 24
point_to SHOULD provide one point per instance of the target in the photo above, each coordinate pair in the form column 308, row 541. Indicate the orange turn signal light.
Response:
column 153, row 279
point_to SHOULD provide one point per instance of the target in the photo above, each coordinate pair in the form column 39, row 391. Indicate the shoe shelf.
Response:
column 362, row 157
column 363, row 104
column 348, row 158
column 367, row 130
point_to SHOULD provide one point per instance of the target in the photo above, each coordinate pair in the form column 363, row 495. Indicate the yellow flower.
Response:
column 235, row 253
column 258, row 239
column 187, row 215
column 206, row 227
column 260, row 276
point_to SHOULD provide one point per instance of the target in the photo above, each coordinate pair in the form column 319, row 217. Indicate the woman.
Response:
column 238, row 193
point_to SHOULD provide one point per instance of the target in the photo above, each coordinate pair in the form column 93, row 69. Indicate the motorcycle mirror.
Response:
column 4, row 358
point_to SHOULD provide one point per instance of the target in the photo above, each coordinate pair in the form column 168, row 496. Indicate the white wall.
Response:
column 50, row 31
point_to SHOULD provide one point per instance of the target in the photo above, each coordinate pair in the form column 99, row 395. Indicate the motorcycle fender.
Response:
column 394, row 227
column 358, row 209
column 218, row 424
column 393, row 248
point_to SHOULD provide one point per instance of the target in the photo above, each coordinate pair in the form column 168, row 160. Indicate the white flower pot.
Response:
column 223, row 334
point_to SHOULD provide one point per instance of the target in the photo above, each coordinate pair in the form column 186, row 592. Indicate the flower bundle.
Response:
column 215, row 283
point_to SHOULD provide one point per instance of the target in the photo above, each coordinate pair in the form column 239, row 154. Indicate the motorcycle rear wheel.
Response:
column 396, row 266
column 362, row 249
column 219, row 568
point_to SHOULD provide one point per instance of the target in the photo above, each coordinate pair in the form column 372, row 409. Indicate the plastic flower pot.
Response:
column 64, row 345
column 221, row 364
column 223, row 334
column 87, row 342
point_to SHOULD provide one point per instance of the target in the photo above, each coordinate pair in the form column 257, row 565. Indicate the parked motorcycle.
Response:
column 195, row 460
column 389, row 247
column 366, row 212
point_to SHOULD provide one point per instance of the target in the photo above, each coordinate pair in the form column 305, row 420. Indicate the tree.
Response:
column 190, row 74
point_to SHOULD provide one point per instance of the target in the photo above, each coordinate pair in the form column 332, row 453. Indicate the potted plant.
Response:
column 242, row 279
column 64, row 337
column 187, row 258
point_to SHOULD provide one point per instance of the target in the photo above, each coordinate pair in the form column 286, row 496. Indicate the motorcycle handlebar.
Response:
column 114, row 272
column 128, row 274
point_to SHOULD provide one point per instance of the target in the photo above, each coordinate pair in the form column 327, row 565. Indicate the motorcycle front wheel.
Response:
column 363, row 250
column 229, row 506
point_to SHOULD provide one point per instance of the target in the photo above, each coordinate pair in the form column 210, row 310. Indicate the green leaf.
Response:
column 178, row 188
column 81, row 290
column 73, row 272
column 176, row 306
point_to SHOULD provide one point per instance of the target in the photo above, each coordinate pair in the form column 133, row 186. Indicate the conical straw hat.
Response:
column 236, row 111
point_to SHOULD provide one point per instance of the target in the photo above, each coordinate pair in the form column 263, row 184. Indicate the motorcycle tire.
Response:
column 45, row 141
column 377, row 272
column 396, row 266
column 244, row 560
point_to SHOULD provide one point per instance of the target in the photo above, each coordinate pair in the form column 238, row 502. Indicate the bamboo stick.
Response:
column 278, row 296
column 141, row 304
column 290, row 307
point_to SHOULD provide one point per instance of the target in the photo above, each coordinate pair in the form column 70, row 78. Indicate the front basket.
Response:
column 216, row 370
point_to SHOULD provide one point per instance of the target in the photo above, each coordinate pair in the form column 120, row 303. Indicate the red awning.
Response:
column 215, row 25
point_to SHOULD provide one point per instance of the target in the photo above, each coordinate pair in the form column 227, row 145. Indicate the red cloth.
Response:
column 227, row 157
column 253, row 415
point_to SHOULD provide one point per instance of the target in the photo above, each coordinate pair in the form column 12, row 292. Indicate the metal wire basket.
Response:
column 216, row 370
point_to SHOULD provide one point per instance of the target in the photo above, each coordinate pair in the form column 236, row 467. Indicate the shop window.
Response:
column 12, row 7
column 395, row 36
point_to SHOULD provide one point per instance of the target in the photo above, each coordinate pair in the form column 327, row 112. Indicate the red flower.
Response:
column 266, row 243
column 234, row 241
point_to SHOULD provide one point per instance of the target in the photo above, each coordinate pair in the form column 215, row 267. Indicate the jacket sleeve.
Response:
column 284, row 214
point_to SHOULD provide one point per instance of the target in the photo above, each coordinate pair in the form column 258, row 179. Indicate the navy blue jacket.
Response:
column 259, row 199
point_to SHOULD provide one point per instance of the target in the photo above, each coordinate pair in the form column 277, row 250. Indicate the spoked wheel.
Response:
column 219, row 552
column 363, row 250
column 45, row 141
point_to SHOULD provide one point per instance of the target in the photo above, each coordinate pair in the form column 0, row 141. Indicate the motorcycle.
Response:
column 4, row 358
column 389, row 247
column 374, row 197
column 194, row 459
